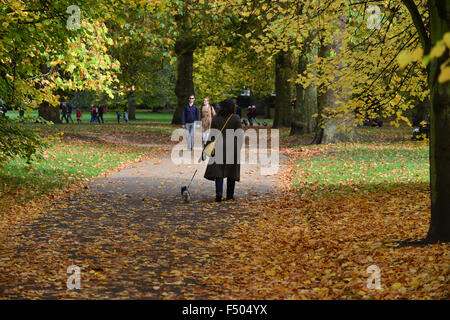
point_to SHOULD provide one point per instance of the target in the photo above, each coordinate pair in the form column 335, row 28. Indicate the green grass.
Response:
column 110, row 128
column 364, row 165
column 109, row 117
column 147, row 123
column 62, row 163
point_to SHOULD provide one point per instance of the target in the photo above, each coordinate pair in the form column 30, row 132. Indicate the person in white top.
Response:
column 206, row 115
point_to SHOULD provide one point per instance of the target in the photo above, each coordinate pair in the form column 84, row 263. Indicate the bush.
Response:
column 17, row 141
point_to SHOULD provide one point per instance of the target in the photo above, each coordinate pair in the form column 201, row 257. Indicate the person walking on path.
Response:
column 78, row 116
column 66, row 111
column 250, row 115
column 118, row 116
column 189, row 115
column 206, row 114
column 93, row 114
column 238, row 111
column 96, row 114
column 254, row 115
column 21, row 114
column 101, row 110
column 219, row 169
column 69, row 112
column 63, row 108
column 125, row 116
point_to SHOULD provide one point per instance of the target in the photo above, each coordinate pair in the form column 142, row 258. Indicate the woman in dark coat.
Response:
column 220, row 170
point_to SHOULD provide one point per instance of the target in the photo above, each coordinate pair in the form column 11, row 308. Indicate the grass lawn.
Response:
column 382, row 157
column 109, row 117
column 62, row 163
column 147, row 123
column 365, row 165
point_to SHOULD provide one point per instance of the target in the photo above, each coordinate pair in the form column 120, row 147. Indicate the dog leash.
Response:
column 192, row 178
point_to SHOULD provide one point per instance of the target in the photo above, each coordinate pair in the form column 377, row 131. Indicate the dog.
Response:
column 185, row 195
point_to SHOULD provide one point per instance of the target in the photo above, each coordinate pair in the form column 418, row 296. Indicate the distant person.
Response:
column 118, row 116
column 21, row 114
column 189, row 115
column 238, row 111
column 97, row 114
column 125, row 116
column 100, row 113
column 254, row 115
column 69, row 112
column 250, row 115
column 207, row 114
column 3, row 108
column 93, row 114
column 78, row 116
column 63, row 108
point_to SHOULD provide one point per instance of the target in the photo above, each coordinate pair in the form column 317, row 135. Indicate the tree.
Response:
column 53, row 57
column 335, row 127
column 200, row 24
column 439, row 26
column 140, row 45
column 223, row 71
column 306, row 97
column 283, row 107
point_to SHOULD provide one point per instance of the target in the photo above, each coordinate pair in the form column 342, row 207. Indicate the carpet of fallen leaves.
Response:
column 129, row 232
column 303, row 246
column 18, row 206
column 300, row 244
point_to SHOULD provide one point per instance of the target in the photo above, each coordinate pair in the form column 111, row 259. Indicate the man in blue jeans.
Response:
column 189, row 115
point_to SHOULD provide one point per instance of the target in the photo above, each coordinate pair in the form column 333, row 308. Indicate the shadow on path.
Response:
column 130, row 234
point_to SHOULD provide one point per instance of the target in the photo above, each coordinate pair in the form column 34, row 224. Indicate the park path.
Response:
column 130, row 234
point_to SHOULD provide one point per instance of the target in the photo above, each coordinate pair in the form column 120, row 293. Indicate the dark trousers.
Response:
column 69, row 117
column 230, row 187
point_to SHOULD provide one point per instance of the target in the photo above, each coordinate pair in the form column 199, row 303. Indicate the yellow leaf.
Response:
column 404, row 58
column 438, row 50
column 417, row 54
column 176, row 272
column 270, row 272
column 444, row 76
column 396, row 286
column 447, row 39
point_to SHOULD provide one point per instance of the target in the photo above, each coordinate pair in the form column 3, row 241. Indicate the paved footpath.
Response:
column 130, row 234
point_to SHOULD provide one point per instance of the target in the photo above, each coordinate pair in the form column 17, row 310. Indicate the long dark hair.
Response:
column 227, row 107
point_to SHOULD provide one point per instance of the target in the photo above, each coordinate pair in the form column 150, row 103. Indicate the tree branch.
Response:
column 418, row 23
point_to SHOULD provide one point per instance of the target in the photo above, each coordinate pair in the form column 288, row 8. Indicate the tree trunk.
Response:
column 45, row 109
column 421, row 111
column 132, row 106
column 306, row 102
column 336, row 127
column 185, row 84
column 283, row 108
column 49, row 112
column 440, row 130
